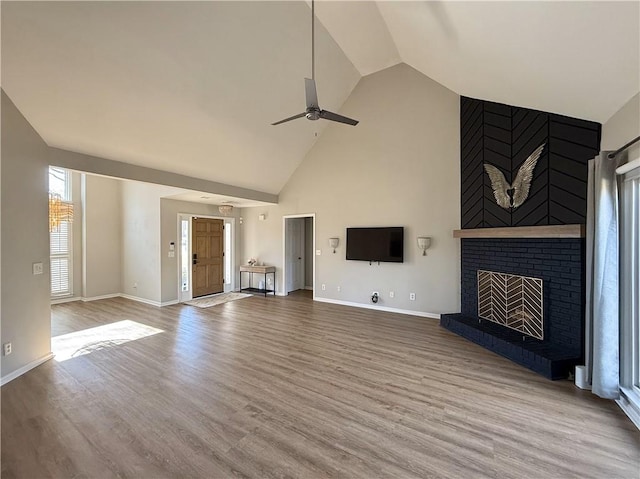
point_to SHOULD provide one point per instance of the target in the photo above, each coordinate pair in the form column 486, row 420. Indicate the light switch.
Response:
column 37, row 268
column 172, row 254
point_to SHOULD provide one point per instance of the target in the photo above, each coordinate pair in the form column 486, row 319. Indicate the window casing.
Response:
column 630, row 288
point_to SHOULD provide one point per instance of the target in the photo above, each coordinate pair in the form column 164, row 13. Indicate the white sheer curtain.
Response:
column 602, row 289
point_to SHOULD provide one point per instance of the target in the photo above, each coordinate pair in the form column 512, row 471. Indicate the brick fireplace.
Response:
column 542, row 237
column 558, row 262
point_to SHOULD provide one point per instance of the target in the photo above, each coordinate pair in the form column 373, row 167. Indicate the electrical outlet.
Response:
column 135, row 285
column 412, row 296
column 324, row 287
column 6, row 347
column 392, row 294
column 37, row 268
column 318, row 252
column 339, row 289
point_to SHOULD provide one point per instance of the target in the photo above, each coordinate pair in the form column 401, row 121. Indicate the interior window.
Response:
column 60, row 232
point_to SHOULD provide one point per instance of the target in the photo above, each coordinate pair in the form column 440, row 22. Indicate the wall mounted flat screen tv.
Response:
column 376, row 244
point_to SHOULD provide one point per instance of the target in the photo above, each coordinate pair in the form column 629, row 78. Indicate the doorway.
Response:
column 299, row 258
column 212, row 240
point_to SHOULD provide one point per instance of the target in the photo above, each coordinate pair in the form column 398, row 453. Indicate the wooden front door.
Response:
column 208, row 262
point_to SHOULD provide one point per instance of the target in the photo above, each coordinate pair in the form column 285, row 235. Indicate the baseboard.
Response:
column 65, row 300
column 103, row 296
column 119, row 295
column 142, row 300
column 309, row 288
column 386, row 309
column 26, row 368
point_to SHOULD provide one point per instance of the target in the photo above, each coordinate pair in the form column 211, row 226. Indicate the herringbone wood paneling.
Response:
column 505, row 136
column 529, row 134
column 497, row 152
column 472, row 178
column 572, row 144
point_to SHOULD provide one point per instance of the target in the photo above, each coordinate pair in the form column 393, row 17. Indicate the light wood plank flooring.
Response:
column 285, row 387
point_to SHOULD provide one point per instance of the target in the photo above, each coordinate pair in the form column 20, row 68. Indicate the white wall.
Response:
column 623, row 127
column 399, row 167
column 169, row 227
column 102, row 236
column 26, row 311
column 141, row 270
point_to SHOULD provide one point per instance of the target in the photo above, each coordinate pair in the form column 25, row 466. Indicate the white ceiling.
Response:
column 192, row 87
column 580, row 59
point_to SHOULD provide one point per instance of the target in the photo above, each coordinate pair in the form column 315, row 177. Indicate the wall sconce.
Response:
column 333, row 243
column 423, row 243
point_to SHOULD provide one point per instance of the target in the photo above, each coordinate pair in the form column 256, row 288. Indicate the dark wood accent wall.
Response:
column 505, row 136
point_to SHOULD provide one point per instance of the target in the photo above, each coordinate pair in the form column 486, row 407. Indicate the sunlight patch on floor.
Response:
column 87, row 341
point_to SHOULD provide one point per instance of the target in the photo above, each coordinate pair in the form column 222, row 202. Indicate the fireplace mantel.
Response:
column 547, row 231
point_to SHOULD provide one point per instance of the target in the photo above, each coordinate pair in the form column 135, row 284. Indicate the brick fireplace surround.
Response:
column 559, row 262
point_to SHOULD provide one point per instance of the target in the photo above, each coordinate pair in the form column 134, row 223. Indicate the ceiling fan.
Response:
column 313, row 111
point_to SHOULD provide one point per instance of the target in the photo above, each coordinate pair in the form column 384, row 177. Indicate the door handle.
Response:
column 195, row 258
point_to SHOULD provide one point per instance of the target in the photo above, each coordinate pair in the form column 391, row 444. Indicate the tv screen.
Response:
column 376, row 244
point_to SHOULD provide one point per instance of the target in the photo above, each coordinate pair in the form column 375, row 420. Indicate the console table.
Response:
column 264, row 270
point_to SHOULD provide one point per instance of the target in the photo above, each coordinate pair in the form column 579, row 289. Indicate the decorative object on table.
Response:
column 333, row 243
column 216, row 299
column 511, row 196
column 252, row 261
column 423, row 243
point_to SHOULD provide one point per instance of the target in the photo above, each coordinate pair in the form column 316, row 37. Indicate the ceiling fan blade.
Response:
column 327, row 115
column 311, row 93
column 299, row 115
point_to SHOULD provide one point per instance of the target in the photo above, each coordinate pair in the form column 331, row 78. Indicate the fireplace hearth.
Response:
column 557, row 266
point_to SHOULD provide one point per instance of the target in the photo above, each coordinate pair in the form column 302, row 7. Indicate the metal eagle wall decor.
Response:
column 511, row 196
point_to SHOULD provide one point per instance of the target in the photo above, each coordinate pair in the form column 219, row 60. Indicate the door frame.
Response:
column 284, row 250
column 228, row 220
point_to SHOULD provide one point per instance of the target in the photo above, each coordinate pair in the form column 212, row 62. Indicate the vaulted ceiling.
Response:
column 192, row 87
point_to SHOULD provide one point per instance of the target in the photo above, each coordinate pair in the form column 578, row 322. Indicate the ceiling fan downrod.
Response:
column 313, row 111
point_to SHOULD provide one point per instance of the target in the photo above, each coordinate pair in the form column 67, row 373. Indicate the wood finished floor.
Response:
column 285, row 387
